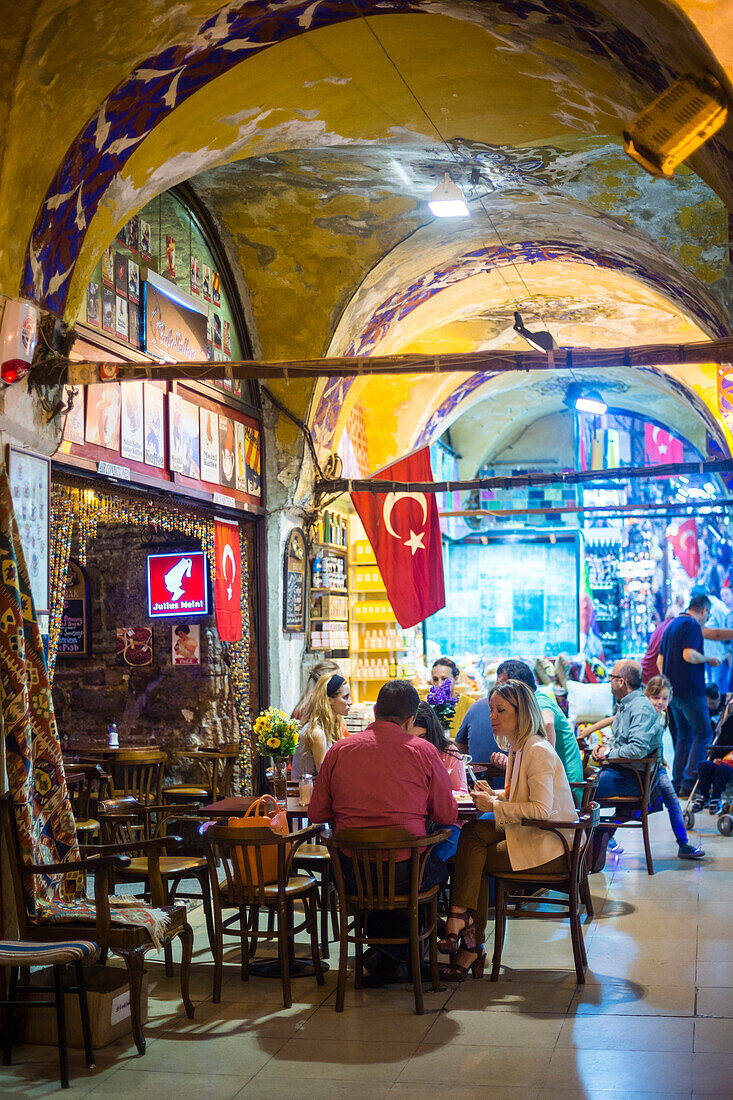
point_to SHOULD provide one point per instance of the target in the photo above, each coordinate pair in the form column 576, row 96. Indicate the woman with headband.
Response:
column 329, row 704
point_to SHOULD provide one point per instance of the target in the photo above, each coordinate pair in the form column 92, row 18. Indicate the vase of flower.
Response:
column 277, row 736
column 280, row 778
column 443, row 702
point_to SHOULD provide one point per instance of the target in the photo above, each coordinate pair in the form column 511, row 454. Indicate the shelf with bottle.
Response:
column 333, row 530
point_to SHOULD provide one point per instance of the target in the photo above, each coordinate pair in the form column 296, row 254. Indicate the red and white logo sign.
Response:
column 177, row 584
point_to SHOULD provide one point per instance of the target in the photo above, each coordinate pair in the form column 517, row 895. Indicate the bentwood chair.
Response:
column 372, row 855
column 139, row 774
column 584, row 794
column 644, row 771
column 257, row 869
column 511, row 888
column 87, row 784
column 124, row 821
column 213, row 779
column 130, row 942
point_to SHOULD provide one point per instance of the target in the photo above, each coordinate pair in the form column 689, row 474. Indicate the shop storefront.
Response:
column 144, row 475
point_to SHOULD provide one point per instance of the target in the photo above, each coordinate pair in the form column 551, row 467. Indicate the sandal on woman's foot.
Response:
column 453, row 940
column 454, row 972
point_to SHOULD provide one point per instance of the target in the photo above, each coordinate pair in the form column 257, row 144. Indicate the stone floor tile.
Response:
column 713, row 1036
column 714, row 1001
column 652, row 1033
column 144, row 1085
column 337, row 1059
column 465, row 1027
column 503, row 1065
column 626, row 998
column 621, row 1070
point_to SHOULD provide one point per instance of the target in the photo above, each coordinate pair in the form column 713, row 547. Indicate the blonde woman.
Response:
column 329, row 704
column 302, row 707
column 536, row 786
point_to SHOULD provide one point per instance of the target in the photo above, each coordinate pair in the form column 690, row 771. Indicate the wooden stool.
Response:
column 20, row 953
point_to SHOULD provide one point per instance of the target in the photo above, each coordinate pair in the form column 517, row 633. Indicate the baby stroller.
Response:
column 725, row 817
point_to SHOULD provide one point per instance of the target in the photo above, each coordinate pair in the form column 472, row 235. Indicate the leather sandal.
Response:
column 454, row 972
column 452, row 940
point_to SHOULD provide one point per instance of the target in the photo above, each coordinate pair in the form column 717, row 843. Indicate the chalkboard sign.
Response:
column 74, row 632
column 294, row 583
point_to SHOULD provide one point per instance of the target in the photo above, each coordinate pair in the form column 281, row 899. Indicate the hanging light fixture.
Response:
column 540, row 341
column 447, row 200
column 588, row 401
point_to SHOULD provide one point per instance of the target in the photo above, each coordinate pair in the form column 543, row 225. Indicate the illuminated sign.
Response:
column 177, row 584
column 174, row 324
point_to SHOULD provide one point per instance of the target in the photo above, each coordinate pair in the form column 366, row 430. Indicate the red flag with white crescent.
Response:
column 661, row 447
column 404, row 530
column 228, row 583
column 686, row 548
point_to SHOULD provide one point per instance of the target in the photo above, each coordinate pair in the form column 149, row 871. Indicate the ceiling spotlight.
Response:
column 588, row 401
column 447, row 200
column 540, row 341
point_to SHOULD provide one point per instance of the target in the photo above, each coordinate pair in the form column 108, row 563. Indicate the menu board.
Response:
column 294, row 583
column 74, row 630
column 30, row 486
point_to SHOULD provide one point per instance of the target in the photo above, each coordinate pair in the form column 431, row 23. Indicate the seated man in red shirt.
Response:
column 382, row 777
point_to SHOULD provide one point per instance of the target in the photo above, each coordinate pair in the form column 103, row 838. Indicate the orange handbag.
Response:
column 265, row 811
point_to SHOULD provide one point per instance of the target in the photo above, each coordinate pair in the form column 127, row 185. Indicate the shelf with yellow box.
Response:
column 379, row 647
column 328, row 603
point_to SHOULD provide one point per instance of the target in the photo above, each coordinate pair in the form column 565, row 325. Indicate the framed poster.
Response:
column 227, row 448
column 241, row 461
column 74, row 423
column 74, row 630
column 103, row 414
column 186, row 644
column 133, row 442
column 294, row 583
column 30, row 486
column 153, row 403
column 209, row 435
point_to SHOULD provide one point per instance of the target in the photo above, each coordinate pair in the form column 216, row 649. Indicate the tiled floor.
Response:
column 654, row 1019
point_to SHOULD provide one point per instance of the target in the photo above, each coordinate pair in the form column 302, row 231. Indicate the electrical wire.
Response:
column 461, row 162
column 299, row 423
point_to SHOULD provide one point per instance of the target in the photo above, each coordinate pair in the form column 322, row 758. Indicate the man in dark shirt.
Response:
column 682, row 660
column 475, row 738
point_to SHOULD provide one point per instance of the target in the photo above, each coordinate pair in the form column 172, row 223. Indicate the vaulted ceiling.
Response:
column 314, row 133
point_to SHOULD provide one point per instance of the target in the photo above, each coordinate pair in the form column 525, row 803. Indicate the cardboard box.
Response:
column 108, row 994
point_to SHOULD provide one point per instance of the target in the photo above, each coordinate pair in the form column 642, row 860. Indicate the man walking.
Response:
column 682, row 660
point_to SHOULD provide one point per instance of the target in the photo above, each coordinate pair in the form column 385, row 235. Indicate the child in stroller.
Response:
column 716, row 773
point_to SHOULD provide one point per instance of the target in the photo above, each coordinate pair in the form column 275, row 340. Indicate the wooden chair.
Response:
column 372, row 854
column 243, row 857
column 130, row 942
column 124, row 821
column 566, row 882
column 315, row 859
column 644, row 771
column 17, row 955
column 87, row 785
column 138, row 773
column 584, row 794
column 215, row 771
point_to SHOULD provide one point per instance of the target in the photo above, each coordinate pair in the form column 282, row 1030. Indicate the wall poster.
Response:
column 227, row 447
column 153, row 408
column 133, row 438
column 74, row 422
column 209, row 431
column 103, row 415
column 30, row 486
column 186, row 644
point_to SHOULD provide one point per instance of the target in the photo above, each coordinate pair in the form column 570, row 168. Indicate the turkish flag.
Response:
column 404, row 530
column 228, row 582
column 660, row 447
column 685, row 547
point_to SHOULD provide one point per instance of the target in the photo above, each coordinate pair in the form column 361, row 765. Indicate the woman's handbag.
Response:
column 265, row 811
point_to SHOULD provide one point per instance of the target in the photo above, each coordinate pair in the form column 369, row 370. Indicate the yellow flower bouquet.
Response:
column 277, row 735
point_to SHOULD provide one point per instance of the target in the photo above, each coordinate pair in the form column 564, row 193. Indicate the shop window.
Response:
column 170, row 238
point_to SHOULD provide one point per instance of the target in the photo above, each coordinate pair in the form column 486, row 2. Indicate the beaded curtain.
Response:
column 74, row 508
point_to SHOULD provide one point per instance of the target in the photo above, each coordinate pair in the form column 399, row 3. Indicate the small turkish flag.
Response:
column 685, row 547
column 228, row 582
column 660, row 447
column 404, row 530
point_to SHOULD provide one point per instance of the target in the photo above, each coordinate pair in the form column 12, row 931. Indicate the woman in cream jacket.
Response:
column 536, row 787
